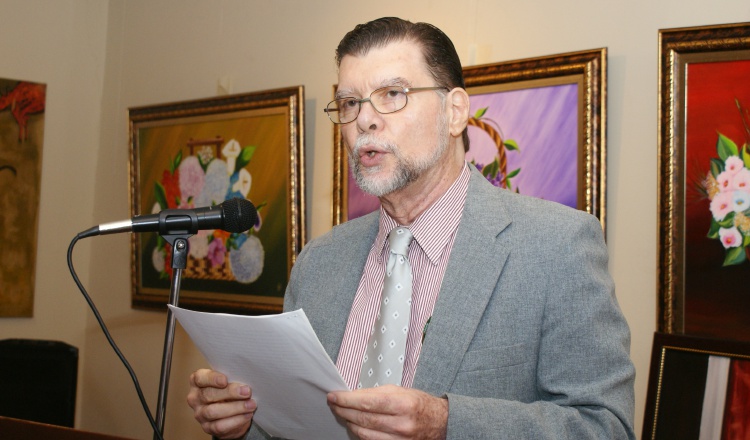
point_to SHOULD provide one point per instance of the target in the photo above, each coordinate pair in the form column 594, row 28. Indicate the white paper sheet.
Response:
column 282, row 360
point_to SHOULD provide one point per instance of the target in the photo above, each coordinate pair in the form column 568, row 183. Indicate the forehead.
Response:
column 398, row 63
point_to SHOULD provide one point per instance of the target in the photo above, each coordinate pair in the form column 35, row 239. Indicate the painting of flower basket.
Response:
column 200, row 153
column 704, row 181
column 536, row 127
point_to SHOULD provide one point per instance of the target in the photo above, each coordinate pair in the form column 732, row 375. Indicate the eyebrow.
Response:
column 391, row 82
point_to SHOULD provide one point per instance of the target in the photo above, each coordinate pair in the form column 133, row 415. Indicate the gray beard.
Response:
column 403, row 174
column 406, row 171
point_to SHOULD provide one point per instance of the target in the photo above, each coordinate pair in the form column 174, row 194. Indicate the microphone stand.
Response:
column 180, row 249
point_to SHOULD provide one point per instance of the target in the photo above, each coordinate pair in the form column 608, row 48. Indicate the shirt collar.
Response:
column 433, row 228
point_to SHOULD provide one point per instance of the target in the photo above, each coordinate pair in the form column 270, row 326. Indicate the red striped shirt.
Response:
column 434, row 233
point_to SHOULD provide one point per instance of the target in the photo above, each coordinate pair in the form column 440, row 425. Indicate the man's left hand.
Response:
column 391, row 412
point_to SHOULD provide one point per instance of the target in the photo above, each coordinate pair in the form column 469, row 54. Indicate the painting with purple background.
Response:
column 543, row 122
column 537, row 126
column 547, row 154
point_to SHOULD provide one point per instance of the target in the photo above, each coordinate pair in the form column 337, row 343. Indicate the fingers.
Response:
column 234, row 391
column 226, row 419
column 382, row 400
column 223, row 409
column 208, row 386
column 208, row 378
column 214, row 412
column 391, row 412
column 368, row 411
column 360, row 421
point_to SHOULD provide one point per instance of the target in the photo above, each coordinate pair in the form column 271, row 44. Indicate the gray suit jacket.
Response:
column 526, row 340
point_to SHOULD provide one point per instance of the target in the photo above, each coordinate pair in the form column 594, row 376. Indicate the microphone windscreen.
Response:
column 239, row 215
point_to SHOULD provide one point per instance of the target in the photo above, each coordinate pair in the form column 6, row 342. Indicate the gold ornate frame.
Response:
column 586, row 68
column 268, row 157
column 677, row 48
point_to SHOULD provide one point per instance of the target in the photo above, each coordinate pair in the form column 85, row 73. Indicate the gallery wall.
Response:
column 61, row 44
column 98, row 58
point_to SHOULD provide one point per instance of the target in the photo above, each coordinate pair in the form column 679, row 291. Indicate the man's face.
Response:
column 387, row 152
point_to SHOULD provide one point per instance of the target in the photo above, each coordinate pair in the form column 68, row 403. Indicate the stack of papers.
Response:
column 281, row 359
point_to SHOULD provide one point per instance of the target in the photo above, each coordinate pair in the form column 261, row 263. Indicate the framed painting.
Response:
column 199, row 153
column 697, row 388
column 22, row 105
column 537, row 126
column 704, row 181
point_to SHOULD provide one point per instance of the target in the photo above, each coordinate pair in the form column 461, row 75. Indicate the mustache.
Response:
column 367, row 139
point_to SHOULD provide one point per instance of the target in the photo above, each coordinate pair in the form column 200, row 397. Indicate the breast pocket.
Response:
column 495, row 357
column 498, row 372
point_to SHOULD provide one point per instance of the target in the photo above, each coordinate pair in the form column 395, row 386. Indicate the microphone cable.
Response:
column 111, row 341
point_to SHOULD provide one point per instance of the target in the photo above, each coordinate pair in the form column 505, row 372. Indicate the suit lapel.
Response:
column 476, row 261
column 343, row 259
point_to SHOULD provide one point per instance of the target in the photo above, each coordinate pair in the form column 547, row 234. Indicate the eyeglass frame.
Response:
column 360, row 101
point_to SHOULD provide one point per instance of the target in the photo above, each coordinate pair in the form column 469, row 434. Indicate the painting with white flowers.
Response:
column 717, row 200
column 704, row 181
column 251, row 151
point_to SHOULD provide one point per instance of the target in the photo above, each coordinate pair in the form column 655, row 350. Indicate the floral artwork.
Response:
column 205, row 180
column 200, row 153
column 704, row 133
column 716, row 198
column 728, row 187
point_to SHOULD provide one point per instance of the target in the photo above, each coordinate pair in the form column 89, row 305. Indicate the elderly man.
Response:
column 458, row 310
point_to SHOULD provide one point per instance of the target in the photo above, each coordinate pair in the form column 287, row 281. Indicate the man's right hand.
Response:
column 224, row 410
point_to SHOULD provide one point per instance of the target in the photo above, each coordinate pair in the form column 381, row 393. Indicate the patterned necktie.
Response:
column 386, row 349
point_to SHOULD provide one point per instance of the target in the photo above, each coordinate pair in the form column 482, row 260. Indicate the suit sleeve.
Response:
column 584, row 376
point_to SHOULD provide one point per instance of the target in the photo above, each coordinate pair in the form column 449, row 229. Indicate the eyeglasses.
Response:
column 384, row 100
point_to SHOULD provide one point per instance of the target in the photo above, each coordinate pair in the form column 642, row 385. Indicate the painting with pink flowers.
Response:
column 704, row 181
column 201, row 157
column 717, row 199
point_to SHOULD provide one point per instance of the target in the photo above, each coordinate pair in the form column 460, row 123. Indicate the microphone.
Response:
column 234, row 215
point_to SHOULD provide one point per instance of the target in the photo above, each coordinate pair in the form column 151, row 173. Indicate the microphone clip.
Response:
column 174, row 222
column 180, row 248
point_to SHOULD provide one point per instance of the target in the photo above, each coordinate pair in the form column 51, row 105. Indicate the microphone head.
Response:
column 239, row 215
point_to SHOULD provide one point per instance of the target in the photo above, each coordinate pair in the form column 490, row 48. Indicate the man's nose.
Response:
column 369, row 119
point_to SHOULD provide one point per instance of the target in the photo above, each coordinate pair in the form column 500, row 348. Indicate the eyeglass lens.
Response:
column 385, row 100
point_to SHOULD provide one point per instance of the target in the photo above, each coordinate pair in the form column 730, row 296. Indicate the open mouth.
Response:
column 369, row 153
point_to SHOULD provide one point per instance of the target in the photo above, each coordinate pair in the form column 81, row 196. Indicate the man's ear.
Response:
column 458, row 111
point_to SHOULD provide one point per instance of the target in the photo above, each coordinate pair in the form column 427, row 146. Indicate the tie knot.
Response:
column 399, row 239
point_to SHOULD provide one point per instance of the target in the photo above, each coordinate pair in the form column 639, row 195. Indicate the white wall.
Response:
column 62, row 44
column 99, row 58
